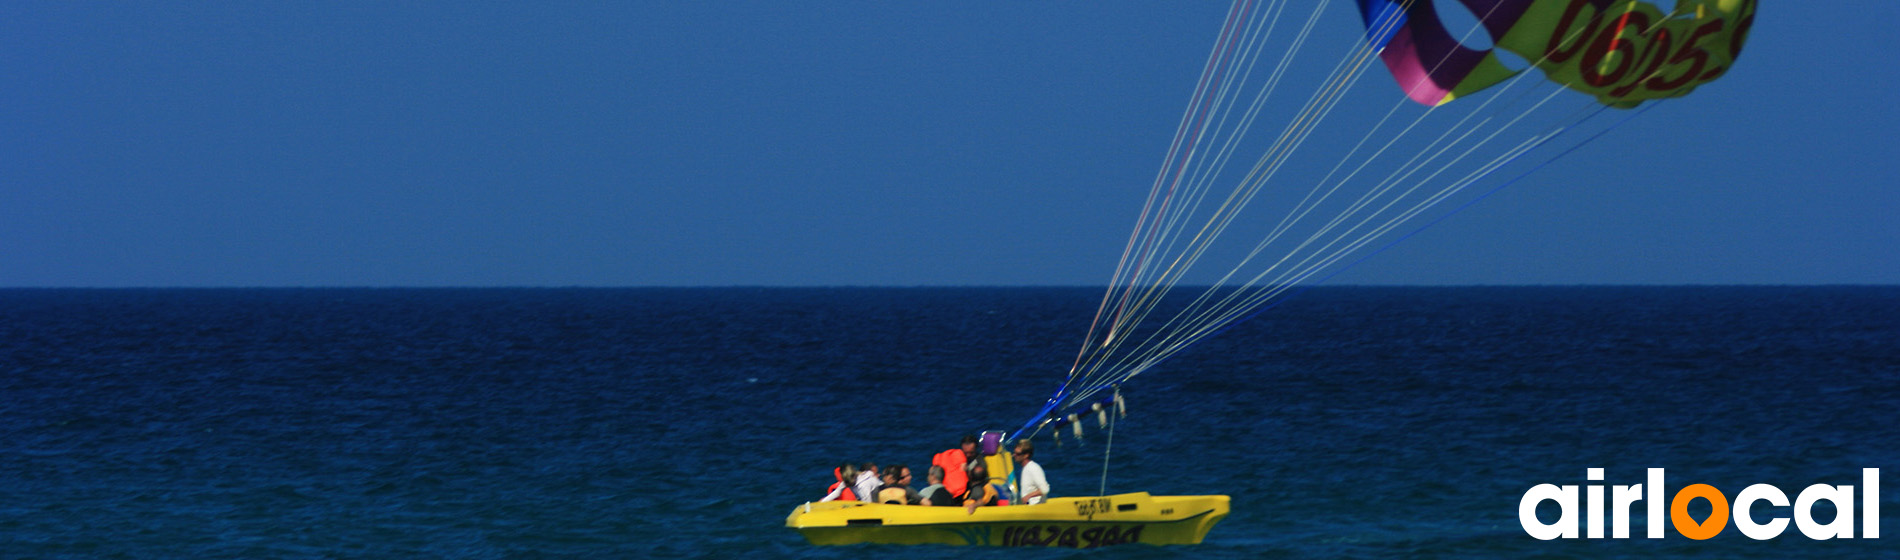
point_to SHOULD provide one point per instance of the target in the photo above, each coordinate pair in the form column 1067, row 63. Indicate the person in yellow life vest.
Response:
column 980, row 492
column 896, row 488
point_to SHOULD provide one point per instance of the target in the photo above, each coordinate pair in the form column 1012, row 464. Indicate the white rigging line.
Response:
column 1346, row 72
column 1182, row 127
column 1147, row 273
column 1220, row 315
column 1149, row 297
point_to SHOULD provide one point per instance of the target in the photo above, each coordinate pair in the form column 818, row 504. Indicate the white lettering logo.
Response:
column 1651, row 494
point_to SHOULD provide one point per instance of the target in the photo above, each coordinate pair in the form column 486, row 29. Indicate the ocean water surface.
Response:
column 635, row 423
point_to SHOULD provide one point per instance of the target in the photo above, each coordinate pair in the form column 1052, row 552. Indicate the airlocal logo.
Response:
column 1651, row 493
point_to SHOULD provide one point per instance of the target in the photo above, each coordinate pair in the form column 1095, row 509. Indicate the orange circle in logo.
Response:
column 1718, row 512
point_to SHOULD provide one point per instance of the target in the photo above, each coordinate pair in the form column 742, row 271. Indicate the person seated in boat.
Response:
column 840, row 490
column 867, row 482
column 910, row 494
column 980, row 492
column 1032, row 486
column 936, row 494
column 896, row 488
column 953, row 462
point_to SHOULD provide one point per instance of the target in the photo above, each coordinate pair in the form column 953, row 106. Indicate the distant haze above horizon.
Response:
column 419, row 144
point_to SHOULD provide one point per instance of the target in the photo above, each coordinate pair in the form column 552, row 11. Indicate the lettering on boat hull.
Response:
column 1071, row 536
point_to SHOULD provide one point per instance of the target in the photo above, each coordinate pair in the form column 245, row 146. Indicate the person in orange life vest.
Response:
column 953, row 462
column 839, row 490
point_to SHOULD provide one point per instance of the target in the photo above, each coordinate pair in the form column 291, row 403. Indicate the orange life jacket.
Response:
column 838, row 473
column 952, row 461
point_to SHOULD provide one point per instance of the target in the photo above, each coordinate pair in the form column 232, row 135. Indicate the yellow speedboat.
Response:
column 1066, row 522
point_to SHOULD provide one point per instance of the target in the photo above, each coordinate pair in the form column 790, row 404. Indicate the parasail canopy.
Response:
column 1623, row 52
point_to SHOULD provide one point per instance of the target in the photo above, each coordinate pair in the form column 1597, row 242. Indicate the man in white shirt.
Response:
column 1032, row 486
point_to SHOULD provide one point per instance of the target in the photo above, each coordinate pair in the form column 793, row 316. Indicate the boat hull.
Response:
column 1061, row 522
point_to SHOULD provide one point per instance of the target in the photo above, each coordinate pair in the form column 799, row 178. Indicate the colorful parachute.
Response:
column 1623, row 52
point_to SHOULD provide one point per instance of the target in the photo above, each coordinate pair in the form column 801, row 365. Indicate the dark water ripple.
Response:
column 1351, row 422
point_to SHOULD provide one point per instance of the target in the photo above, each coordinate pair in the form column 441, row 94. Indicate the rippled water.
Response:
column 688, row 422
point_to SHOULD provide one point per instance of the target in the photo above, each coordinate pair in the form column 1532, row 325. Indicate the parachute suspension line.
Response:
column 1145, row 305
column 1181, row 136
column 1482, row 196
column 1201, row 300
column 1599, row 109
column 1263, row 170
column 1390, row 181
column 1216, row 81
column 1259, row 303
column 1489, row 167
column 1303, row 209
column 1085, row 374
column 1382, row 150
column 1161, row 238
column 1501, row 185
column 1149, row 297
column 1138, row 302
column 1305, row 271
column 1210, row 318
column 1404, row 173
column 1159, row 223
column 1327, row 98
column 1583, row 114
column 1321, row 258
column 1187, row 130
column 1109, row 445
column 1207, row 170
column 1259, row 300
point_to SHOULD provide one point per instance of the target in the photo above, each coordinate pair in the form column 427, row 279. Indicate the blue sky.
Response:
column 823, row 143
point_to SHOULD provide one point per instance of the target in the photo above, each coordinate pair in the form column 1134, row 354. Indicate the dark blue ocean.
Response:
column 610, row 423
